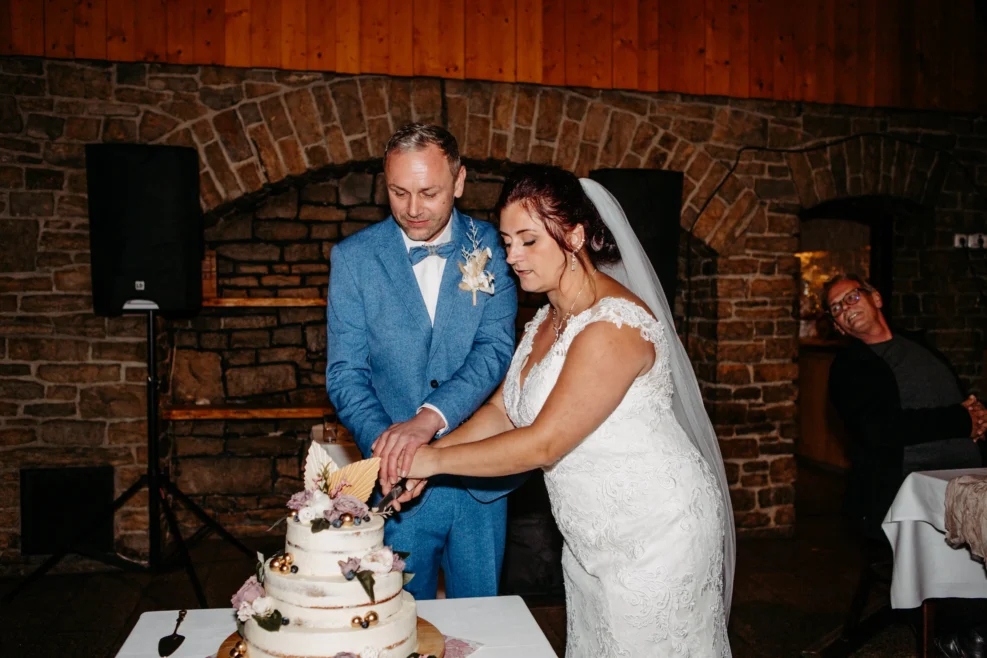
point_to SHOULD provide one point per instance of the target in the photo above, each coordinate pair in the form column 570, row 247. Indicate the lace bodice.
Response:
column 637, row 505
column 651, row 392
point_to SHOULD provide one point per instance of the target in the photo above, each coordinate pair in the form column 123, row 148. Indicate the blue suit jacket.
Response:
column 386, row 359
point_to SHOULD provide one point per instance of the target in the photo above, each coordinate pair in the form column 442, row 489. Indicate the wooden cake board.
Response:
column 430, row 642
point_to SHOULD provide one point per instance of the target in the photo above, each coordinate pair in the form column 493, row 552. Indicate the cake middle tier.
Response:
column 319, row 553
column 333, row 601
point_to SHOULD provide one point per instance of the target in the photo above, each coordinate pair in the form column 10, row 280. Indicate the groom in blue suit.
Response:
column 411, row 355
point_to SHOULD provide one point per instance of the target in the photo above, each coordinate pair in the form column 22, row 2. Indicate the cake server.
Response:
column 169, row 643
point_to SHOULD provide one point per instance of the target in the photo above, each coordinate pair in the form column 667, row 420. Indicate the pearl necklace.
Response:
column 556, row 324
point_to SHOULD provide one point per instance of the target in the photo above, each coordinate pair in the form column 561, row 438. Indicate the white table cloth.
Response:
column 925, row 566
column 502, row 624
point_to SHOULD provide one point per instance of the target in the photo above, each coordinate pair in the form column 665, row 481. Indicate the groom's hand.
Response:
column 414, row 489
column 398, row 444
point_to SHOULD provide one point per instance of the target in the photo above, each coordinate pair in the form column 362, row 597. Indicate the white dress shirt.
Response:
column 428, row 273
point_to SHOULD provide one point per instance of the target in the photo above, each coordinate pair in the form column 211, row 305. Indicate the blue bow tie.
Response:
column 444, row 250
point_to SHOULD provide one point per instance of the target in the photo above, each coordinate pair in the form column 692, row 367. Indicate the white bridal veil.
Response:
column 634, row 271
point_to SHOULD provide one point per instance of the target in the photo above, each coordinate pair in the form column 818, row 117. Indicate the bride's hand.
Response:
column 423, row 464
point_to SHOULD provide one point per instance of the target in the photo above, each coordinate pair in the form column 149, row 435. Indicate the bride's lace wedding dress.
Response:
column 638, row 507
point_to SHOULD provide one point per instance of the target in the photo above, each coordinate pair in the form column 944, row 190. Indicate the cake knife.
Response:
column 393, row 495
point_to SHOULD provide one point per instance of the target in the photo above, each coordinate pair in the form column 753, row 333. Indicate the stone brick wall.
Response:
column 70, row 383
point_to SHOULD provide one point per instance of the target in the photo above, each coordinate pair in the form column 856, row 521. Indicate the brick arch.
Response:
column 257, row 129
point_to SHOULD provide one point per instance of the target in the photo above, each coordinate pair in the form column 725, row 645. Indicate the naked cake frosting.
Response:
column 335, row 591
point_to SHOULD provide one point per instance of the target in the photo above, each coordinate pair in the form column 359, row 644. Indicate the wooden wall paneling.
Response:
column 439, row 38
column 294, row 42
column 589, row 43
column 452, row 25
column 932, row 80
column 265, row 33
column 825, row 44
column 888, row 61
column 786, row 17
column 236, row 33
column 491, row 40
column 375, row 36
column 23, row 28
column 625, row 35
column 427, row 35
column 347, row 36
column 320, row 30
column 846, row 32
column 151, row 31
column 59, row 22
column 717, row 70
column 541, row 41
column 682, row 45
column 27, row 25
column 626, row 39
column 907, row 53
column 894, row 53
column 727, row 66
column 402, row 16
column 530, row 41
column 740, row 42
column 120, row 26
column 648, row 46
column 866, row 52
column 181, row 31
column 803, row 53
column 6, row 18
column 90, row 29
column 762, row 47
column 553, row 43
column 963, row 61
column 210, row 37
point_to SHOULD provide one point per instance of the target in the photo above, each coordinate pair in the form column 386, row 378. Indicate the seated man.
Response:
column 900, row 401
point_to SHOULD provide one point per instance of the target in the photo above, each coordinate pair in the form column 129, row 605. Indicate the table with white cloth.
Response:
column 502, row 624
column 925, row 566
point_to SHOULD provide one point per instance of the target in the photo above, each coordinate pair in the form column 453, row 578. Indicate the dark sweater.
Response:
column 865, row 393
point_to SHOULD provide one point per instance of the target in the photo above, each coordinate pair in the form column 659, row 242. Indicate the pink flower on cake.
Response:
column 262, row 606
column 300, row 500
column 349, row 567
column 249, row 591
column 347, row 504
column 398, row 564
column 379, row 561
column 339, row 487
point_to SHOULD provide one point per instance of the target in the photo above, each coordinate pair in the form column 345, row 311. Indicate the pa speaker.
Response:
column 652, row 201
column 145, row 228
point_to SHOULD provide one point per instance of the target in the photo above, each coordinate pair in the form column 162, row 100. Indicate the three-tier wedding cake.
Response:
column 335, row 591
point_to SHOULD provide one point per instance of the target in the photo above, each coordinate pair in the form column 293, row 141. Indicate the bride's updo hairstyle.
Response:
column 556, row 197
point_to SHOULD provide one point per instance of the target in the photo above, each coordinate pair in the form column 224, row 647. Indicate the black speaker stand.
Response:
column 161, row 490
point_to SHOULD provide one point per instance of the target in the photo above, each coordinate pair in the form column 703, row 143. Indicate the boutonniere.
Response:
column 475, row 277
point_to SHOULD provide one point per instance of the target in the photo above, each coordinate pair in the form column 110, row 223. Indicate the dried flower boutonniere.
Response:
column 475, row 277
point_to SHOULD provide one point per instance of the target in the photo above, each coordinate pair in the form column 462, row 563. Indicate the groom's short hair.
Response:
column 417, row 136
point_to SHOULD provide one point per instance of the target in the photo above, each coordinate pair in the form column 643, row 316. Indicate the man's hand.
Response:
column 396, row 447
column 978, row 417
column 413, row 489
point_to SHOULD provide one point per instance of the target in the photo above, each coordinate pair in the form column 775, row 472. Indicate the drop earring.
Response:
column 573, row 267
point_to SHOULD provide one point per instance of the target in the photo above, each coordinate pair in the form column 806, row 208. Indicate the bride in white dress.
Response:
column 601, row 395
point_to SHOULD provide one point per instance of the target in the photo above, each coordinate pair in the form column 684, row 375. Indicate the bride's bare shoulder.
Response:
column 610, row 288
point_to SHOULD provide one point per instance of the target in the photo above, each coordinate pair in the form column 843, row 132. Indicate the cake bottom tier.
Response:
column 397, row 636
